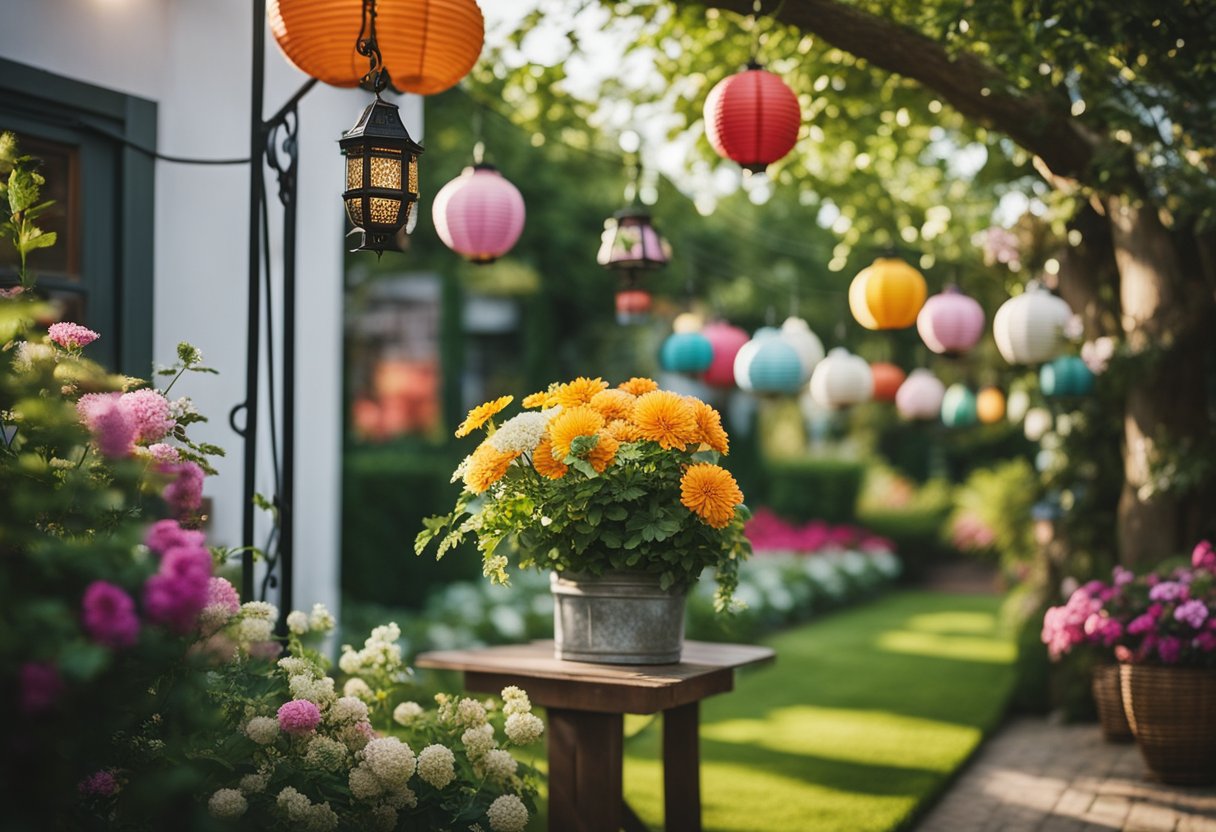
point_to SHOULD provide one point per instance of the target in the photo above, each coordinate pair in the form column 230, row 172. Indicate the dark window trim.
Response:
column 134, row 120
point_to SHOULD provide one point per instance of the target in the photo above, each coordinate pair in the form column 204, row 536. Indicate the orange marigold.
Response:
column 614, row 404
column 486, row 467
column 624, row 431
column 481, row 414
column 571, row 424
column 711, row 493
column 709, row 425
column 578, row 391
column 604, row 452
column 545, row 463
column 639, row 386
column 664, row 417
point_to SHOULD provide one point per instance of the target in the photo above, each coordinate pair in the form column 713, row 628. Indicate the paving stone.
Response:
column 1146, row 817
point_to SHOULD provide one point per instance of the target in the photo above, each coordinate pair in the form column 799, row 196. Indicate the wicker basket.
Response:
column 1172, row 712
column 1108, row 696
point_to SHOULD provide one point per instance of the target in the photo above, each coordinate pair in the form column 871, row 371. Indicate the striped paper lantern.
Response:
column 797, row 333
column 1029, row 328
column 479, row 214
column 950, row 323
column 887, row 294
column 726, row 341
column 920, row 397
column 841, row 380
column 958, row 407
column 752, row 118
column 686, row 352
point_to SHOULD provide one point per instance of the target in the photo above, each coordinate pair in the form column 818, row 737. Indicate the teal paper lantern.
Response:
column 1065, row 376
column 686, row 352
column 958, row 407
column 775, row 368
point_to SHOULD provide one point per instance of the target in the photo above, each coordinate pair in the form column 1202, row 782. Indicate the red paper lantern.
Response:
column 632, row 306
column 726, row 341
column 887, row 379
column 752, row 118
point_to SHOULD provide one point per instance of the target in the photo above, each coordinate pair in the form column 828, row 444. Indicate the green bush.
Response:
column 915, row 533
column 386, row 491
column 815, row 489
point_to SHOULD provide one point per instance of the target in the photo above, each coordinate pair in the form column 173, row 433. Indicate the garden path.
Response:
column 1036, row 776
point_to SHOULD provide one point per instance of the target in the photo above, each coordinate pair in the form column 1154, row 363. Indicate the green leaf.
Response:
column 24, row 186
column 34, row 238
column 582, row 466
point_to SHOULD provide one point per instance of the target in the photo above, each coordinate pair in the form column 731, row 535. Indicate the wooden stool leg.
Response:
column 584, row 771
column 681, row 769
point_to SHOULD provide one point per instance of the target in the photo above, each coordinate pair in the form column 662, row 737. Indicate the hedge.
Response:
column 815, row 489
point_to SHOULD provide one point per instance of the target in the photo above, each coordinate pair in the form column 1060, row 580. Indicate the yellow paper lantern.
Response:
column 990, row 405
column 888, row 294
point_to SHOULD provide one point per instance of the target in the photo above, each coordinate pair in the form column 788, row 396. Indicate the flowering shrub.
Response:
column 592, row 478
column 769, row 534
column 1157, row 618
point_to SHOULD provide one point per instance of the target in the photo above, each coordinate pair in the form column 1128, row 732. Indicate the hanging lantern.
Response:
column 381, row 175
column 726, row 341
column 1038, row 422
column 887, row 380
column 920, row 397
column 747, row 352
column 630, row 242
column 479, row 214
column 775, row 368
column 990, row 405
column 841, row 380
column 632, row 305
column 427, row 45
column 1017, row 405
column 1065, row 376
column 1029, row 328
column 887, row 294
column 752, row 118
column 686, row 352
column 688, row 322
column 950, row 323
column 959, row 407
column 797, row 333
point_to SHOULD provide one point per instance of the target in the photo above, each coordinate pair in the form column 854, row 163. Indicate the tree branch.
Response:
column 1040, row 124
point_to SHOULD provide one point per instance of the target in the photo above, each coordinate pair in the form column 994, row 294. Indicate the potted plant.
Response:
column 618, row 493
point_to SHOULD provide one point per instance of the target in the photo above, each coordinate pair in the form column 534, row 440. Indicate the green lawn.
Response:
column 862, row 719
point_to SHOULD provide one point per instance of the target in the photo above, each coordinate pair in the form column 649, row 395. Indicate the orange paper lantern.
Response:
column 990, row 405
column 887, row 379
column 888, row 294
column 427, row 45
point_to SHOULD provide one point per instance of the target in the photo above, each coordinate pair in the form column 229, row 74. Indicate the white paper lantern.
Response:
column 1029, row 329
column 1038, row 422
column 797, row 333
column 920, row 397
column 842, row 379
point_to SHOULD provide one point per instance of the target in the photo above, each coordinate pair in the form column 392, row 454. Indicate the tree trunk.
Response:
column 1164, row 320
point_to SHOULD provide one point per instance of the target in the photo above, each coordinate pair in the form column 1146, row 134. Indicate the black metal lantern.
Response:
column 630, row 242
column 381, row 175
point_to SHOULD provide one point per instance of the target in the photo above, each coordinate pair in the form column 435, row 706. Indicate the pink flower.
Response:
column 1166, row 591
column 164, row 535
column 1169, row 649
column 221, row 593
column 1141, row 624
column 41, row 687
column 109, row 421
column 72, row 336
column 178, row 592
column 164, row 454
column 12, row 293
column 1123, row 577
column 150, row 410
column 1205, row 641
column 267, row 650
column 1193, row 613
column 98, row 784
column 109, row 615
column 185, row 493
column 299, row 716
column 1204, row 556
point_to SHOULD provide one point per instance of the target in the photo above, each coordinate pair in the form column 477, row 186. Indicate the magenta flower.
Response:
column 222, row 594
column 109, row 615
column 178, row 592
column 185, row 493
column 41, row 687
column 164, row 535
column 299, row 716
column 113, row 429
column 1123, row 577
column 164, row 454
column 1192, row 613
column 150, row 411
column 72, row 336
column 1166, row 591
column 1169, row 649
column 1204, row 556
column 1205, row 641
column 1144, row 623
column 98, row 784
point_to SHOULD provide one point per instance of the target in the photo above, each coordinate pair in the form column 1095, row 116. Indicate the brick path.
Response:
column 1033, row 776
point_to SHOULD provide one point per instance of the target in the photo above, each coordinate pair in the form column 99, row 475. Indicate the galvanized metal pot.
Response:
column 619, row 617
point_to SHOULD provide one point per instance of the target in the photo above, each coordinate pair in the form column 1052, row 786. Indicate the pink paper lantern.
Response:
column 950, row 322
column 479, row 214
column 726, row 341
column 920, row 397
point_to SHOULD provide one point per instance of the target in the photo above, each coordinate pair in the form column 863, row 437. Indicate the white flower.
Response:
column 297, row 622
column 321, row 818
column 318, row 691
column 383, row 818
column 260, row 609
column 522, row 729
column 407, row 712
column 515, row 701
column 293, row 804
column 436, row 765
column 320, row 620
column 350, row 661
column 294, row 666
column 498, row 765
column 470, row 712
column 181, row 408
column 227, row 803
column 391, row 760
column 347, row 709
column 507, row 814
column 478, row 740
column 356, row 735
column 254, row 783
column 252, row 630
column 359, row 689
column 363, row 784
column 325, row 753
column 401, row 797
column 262, row 729
column 459, row 473
column 520, row 434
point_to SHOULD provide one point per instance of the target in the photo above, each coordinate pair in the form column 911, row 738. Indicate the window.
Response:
column 100, row 271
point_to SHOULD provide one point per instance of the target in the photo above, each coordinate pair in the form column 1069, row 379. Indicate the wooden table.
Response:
column 586, row 704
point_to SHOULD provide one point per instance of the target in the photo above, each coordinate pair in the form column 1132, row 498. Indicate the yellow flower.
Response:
column 571, row 424
column 613, row 404
column 481, row 414
column 664, row 417
column 709, row 425
column 578, row 391
column 624, row 431
column 604, row 452
column 639, row 386
column 711, row 493
column 486, row 467
column 536, row 399
column 545, row 463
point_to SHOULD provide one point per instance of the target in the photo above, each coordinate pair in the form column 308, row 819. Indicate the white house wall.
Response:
column 192, row 57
